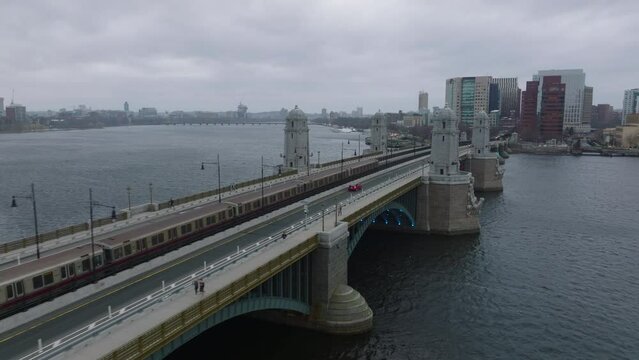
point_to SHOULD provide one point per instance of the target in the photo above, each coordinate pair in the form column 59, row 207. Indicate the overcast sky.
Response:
column 210, row 55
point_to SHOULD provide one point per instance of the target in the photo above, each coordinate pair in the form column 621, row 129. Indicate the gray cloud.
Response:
column 209, row 55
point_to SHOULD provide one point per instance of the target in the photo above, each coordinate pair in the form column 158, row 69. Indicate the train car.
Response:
column 30, row 283
column 33, row 282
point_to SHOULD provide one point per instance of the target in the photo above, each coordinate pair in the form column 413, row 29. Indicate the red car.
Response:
column 356, row 187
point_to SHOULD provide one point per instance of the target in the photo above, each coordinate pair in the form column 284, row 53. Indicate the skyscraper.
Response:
column 551, row 115
column 126, row 106
column 1, row 106
column 630, row 104
column 528, row 126
column 575, row 81
column 467, row 95
column 509, row 94
column 422, row 102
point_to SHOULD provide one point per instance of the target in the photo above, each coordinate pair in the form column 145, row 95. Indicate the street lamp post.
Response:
column 262, row 179
column 318, row 159
column 128, row 192
column 151, row 193
column 219, row 186
column 342, row 158
column 113, row 216
column 35, row 215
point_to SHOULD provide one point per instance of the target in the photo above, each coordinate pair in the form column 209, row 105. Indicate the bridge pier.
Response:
column 487, row 173
column 484, row 164
column 446, row 205
column 336, row 308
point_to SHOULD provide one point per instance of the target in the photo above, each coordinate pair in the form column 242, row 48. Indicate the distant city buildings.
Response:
column 16, row 114
column 555, row 102
column 509, row 96
column 242, row 111
column 467, row 95
column 126, row 106
column 1, row 106
column 603, row 116
column 422, row 102
column 630, row 104
column 148, row 112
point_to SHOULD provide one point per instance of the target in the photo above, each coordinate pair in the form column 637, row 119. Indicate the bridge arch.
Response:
column 395, row 213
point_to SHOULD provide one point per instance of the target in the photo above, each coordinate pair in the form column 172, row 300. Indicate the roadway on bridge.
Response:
column 22, row 340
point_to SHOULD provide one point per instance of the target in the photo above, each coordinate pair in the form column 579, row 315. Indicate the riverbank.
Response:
column 539, row 149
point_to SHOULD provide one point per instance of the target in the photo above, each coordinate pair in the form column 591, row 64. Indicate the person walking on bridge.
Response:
column 196, row 285
column 201, row 286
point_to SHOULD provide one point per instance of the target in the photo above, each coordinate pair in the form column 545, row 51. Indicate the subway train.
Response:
column 28, row 284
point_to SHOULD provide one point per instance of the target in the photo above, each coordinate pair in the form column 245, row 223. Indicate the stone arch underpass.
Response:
column 396, row 214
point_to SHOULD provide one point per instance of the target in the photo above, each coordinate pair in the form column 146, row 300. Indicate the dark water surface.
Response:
column 554, row 274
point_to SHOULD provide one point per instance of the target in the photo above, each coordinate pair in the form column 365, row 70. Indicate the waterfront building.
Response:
column 630, row 104
column 422, row 102
column 627, row 135
column 575, row 83
column 296, row 145
column 467, row 95
column 603, row 116
column 528, row 126
column 16, row 114
column 586, row 117
column 552, row 105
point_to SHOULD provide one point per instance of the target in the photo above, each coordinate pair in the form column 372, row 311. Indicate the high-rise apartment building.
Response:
column 467, row 95
column 422, row 102
column 126, row 106
column 1, row 106
column 630, row 104
column 509, row 94
column 575, row 81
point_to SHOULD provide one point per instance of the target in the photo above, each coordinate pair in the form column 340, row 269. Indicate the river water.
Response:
column 554, row 273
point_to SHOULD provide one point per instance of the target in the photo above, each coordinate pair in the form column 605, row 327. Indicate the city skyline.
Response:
column 324, row 55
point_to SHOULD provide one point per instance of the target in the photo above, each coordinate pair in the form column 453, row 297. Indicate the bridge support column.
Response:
column 487, row 174
column 447, row 205
column 336, row 307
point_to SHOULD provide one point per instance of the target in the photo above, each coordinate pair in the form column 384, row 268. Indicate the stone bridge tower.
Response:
column 484, row 164
column 379, row 133
column 296, row 150
column 446, row 202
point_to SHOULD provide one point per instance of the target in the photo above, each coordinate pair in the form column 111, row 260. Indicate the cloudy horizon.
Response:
column 210, row 56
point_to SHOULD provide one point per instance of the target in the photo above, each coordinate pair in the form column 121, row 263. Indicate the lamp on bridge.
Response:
column 219, row 187
column 342, row 158
column 113, row 217
column 35, row 215
column 268, row 165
